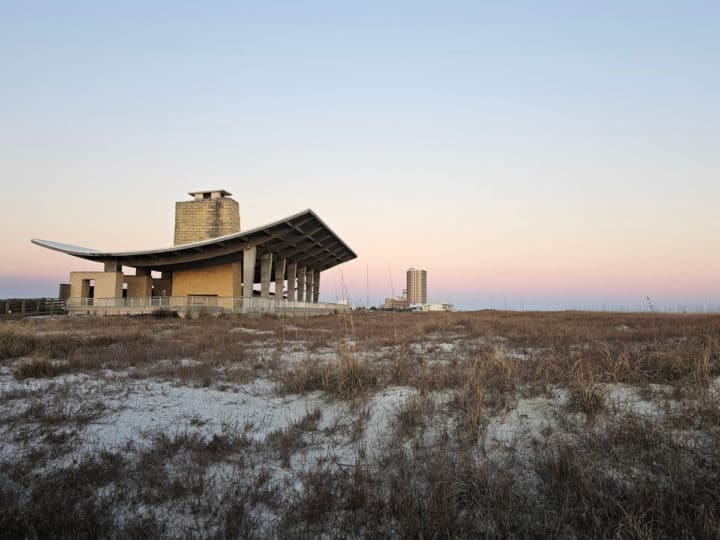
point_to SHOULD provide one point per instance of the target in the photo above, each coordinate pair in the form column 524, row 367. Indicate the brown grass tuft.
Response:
column 470, row 401
column 350, row 377
column 585, row 393
column 347, row 378
column 39, row 368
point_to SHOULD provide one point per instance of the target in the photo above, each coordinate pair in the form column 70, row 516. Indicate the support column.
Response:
column 301, row 284
column 279, row 278
column 113, row 266
column 108, row 285
column 165, row 288
column 143, row 288
column 265, row 274
column 309, row 274
column 291, row 279
column 236, row 302
column 316, row 287
column 249, row 254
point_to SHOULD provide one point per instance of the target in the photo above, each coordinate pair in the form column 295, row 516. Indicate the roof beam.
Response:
column 303, row 238
column 302, row 222
column 180, row 258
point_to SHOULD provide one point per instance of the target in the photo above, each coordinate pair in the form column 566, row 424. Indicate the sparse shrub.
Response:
column 501, row 375
column 585, row 393
column 706, row 363
column 401, row 368
column 59, row 411
column 165, row 313
column 237, row 521
column 619, row 366
column 470, row 401
column 38, row 368
column 427, row 378
column 412, row 417
column 289, row 440
column 630, row 479
column 62, row 503
column 701, row 413
column 349, row 377
column 56, row 346
column 143, row 526
column 286, row 442
column 346, row 378
column 318, row 497
column 363, row 414
column 428, row 493
column 620, row 476
column 15, row 345
column 307, row 376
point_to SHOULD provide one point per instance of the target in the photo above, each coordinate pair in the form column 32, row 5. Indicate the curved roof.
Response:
column 303, row 238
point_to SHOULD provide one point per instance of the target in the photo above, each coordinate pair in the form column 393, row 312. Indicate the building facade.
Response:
column 396, row 303
column 438, row 307
column 416, row 286
column 213, row 266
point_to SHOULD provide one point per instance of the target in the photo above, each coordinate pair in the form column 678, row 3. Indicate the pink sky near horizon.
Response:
column 568, row 264
column 522, row 153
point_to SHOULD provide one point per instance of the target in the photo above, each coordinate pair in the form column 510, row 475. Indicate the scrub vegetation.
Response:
column 432, row 425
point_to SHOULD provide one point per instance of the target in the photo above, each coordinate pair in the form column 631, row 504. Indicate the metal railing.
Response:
column 269, row 305
column 211, row 304
column 155, row 301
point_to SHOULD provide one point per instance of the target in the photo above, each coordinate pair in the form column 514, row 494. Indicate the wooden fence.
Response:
column 28, row 307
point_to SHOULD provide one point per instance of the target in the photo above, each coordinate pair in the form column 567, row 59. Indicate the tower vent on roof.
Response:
column 210, row 214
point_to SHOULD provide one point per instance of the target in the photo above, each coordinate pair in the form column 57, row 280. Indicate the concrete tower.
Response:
column 417, row 286
column 210, row 214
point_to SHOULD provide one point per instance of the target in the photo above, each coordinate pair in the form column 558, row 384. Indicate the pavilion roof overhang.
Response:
column 303, row 238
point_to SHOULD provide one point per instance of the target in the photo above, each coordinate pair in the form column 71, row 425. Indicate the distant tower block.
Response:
column 417, row 286
column 210, row 214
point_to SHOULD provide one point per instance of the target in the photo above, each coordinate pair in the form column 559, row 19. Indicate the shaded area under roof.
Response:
column 303, row 238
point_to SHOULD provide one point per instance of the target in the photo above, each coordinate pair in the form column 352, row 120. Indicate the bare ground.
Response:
column 373, row 424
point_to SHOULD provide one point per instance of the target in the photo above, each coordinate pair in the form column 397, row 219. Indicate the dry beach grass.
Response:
column 489, row 423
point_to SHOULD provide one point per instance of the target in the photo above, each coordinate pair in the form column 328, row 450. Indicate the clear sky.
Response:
column 526, row 154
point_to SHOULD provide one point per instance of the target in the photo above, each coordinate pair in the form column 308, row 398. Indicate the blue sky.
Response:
column 560, row 153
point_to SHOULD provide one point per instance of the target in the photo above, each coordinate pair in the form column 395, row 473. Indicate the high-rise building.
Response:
column 417, row 286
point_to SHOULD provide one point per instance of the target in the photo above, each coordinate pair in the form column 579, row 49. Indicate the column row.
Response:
column 303, row 284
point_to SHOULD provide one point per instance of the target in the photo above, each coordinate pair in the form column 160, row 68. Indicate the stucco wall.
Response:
column 107, row 284
column 204, row 219
column 222, row 280
column 138, row 286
